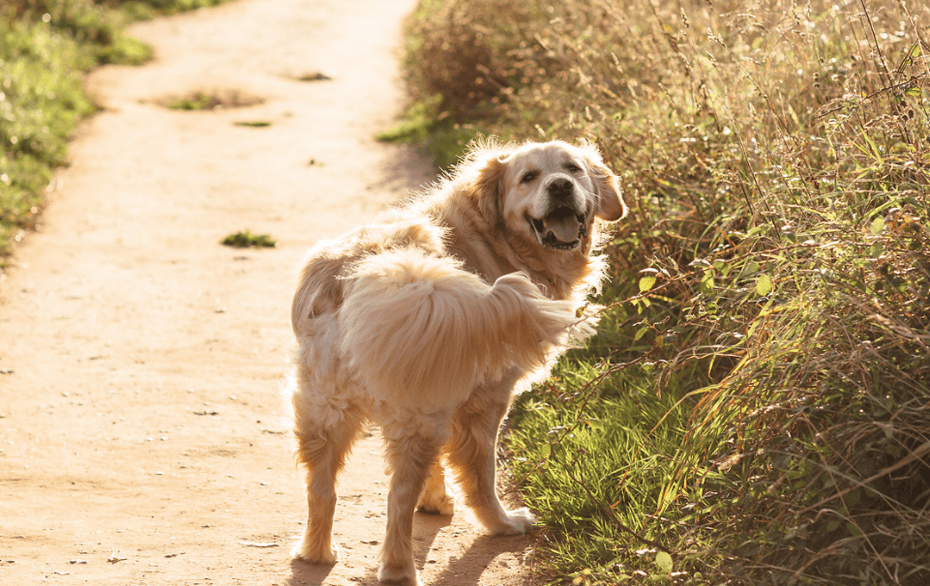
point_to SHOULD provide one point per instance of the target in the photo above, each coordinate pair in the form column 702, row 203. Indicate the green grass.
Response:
column 246, row 239
column 588, row 474
column 212, row 100
column 755, row 408
column 195, row 101
column 423, row 123
column 45, row 48
column 41, row 101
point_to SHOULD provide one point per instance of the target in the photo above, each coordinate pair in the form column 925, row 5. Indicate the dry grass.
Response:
column 773, row 279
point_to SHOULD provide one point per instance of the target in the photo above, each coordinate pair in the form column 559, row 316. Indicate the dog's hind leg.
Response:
column 323, row 449
column 473, row 456
column 435, row 498
column 412, row 449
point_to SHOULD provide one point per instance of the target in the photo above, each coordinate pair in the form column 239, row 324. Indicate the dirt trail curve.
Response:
column 141, row 439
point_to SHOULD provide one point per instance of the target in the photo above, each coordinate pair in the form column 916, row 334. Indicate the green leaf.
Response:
column 764, row 285
column 646, row 283
column 664, row 561
column 878, row 224
column 750, row 268
column 853, row 498
column 707, row 283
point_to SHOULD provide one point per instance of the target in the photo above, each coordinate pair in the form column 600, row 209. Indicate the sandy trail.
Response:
column 141, row 430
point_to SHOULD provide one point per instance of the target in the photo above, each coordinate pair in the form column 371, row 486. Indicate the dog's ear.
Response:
column 489, row 188
column 610, row 204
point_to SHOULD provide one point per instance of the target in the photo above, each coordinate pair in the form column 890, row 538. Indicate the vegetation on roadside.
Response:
column 212, row 100
column 756, row 409
column 246, row 239
column 45, row 48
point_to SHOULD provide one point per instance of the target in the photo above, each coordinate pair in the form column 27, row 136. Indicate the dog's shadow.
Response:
column 464, row 570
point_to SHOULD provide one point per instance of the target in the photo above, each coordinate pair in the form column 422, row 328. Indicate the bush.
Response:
column 769, row 290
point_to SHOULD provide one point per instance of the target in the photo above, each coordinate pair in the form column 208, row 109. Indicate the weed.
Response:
column 211, row 100
column 196, row 101
column 248, row 240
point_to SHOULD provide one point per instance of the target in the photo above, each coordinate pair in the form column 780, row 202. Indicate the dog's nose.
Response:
column 560, row 186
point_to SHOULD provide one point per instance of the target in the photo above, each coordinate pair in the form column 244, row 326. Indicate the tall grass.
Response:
column 757, row 407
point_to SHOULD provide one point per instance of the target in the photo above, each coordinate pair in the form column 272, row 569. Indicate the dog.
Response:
column 428, row 322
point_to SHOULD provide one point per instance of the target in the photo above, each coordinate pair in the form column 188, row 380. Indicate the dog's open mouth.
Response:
column 561, row 229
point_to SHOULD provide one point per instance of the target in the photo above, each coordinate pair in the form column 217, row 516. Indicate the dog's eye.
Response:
column 572, row 168
column 528, row 177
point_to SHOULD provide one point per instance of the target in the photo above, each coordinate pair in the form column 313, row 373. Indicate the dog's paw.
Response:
column 438, row 504
column 515, row 523
column 315, row 554
column 405, row 575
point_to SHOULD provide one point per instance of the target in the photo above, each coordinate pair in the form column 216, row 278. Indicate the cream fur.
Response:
column 426, row 322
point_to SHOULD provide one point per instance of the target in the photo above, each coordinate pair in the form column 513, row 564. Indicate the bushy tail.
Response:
column 425, row 331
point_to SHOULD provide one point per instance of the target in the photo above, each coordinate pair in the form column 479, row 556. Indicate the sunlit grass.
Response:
column 41, row 100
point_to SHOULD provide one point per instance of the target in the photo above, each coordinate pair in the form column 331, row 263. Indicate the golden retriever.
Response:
column 427, row 321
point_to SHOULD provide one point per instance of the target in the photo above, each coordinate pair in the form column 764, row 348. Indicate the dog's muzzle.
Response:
column 563, row 226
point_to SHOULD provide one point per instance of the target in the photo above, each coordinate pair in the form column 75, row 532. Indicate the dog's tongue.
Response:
column 564, row 226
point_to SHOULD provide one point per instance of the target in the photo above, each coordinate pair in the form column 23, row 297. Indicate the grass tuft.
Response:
column 211, row 100
column 246, row 239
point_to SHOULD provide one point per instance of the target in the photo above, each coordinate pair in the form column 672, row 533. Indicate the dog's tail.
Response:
column 426, row 331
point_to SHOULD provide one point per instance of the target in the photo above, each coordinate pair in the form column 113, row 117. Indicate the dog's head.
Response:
column 550, row 193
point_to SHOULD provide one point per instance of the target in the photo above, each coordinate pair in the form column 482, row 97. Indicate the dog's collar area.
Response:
column 561, row 229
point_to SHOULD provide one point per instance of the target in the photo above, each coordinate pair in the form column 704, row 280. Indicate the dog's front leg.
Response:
column 411, row 452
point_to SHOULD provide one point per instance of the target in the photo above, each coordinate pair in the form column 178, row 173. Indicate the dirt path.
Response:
column 141, row 431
